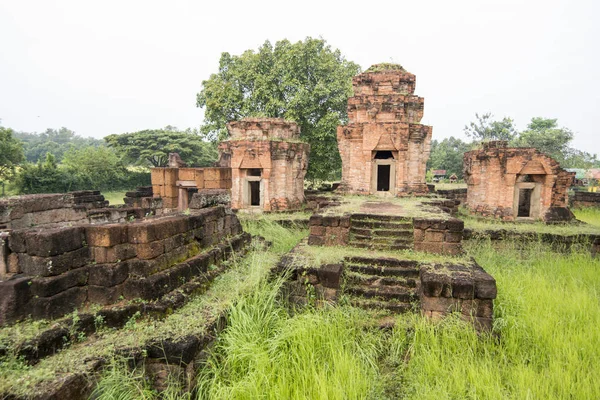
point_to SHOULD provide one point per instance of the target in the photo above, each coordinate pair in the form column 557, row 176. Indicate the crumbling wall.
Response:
column 60, row 269
column 586, row 199
column 464, row 289
column 438, row 236
column 494, row 173
column 47, row 209
column 329, row 230
column 454, row 194
column 170, row 183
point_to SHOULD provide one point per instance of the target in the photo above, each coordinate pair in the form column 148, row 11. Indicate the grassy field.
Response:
column 545, row 344
column 589, row 215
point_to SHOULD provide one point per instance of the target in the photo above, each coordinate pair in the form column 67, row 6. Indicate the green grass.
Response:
column 114, row 198
column 408, row 206
column 267, row 353
column 193, row 318
column 546, row 343
column 589, row 215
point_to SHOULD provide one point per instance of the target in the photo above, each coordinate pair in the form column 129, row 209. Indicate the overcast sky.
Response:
column 108, row 66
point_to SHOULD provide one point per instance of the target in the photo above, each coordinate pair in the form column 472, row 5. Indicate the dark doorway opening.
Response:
column 384, row 155
column 524, row 203
column 383, row 178
column 254, row 193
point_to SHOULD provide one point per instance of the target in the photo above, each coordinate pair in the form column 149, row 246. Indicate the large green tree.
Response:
column 487, row 128
column 448, row 154
column 152, row 147
column 307, row 82
column 11, row 154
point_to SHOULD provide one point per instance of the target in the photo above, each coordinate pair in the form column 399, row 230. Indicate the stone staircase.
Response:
column 380, row 232
column 381, row 283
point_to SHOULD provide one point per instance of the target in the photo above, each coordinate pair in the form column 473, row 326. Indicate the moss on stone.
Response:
column 384, row 67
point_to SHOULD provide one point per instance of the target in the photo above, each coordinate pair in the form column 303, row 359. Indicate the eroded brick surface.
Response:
column 384, row 116
column 497, row 175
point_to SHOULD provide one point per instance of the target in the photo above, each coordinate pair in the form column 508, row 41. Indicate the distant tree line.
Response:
column 543, row 134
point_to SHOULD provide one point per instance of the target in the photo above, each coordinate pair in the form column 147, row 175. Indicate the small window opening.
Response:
column 255, row 172
column 384, row 155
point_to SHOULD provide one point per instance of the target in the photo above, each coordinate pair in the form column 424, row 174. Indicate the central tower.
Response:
column 384, row 148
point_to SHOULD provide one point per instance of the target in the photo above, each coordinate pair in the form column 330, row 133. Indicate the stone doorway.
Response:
column 527, row 200
column 383, row 173
column 253, row 188
column 254, row 195
column 383, row 178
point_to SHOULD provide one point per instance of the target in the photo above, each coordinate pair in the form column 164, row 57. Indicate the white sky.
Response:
column 109, row 66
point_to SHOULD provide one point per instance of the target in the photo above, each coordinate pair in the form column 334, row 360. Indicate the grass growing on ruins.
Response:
column 192, row 319
column 267, row 353
column 592, row 226
column 546, row 343
column 589, row 215
column 402, row 206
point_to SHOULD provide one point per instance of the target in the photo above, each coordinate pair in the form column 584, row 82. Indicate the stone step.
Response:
column 404, row 272
column 378, row 217
column 369, row 304
column 379, row 246
column 382, row 240
column 398, row 293
column 381, row 224
column 382, row 232
column 382, row 261
column 355, row 278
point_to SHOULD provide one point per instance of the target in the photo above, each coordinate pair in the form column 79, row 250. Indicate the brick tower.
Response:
column 384, row 148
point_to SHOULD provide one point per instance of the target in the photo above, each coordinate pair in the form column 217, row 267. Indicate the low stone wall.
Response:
column 58, row 270
column 438, row 236
column 586, row 199
column 454, row 288
column 558, row 242
column 454, row 194
column 45, row 209
column 329, row 230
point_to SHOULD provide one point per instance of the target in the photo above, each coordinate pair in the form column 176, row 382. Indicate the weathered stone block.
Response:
column 46, row 287
column 316, row 240
column 434, row 236
column 453, row 237
column 54, row 265
column 14, row 296
column 315, row 220
column 146, row 251
column 108, row 274
column 330, row 274
column 104, row 295
column 451, row 249
column 51, row 242
column 317, row 230
column 463, row 287
column 59, row 304
column 106, row 235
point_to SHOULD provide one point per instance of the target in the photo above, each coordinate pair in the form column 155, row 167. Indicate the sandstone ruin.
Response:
column 384, row 148
column 516, row 183
column 262, row 166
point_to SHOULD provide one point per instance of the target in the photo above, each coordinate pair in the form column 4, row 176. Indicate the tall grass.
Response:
column 546, row 343
column 282, row 239
column 119, row 383
column 266, row 353
column 590, row 215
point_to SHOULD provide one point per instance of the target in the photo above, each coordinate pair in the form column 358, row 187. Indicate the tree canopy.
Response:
column 486, row 128
column 448, row 154
column 307, row 82
column 11, row 152
column 152, row 147
column 55, row 141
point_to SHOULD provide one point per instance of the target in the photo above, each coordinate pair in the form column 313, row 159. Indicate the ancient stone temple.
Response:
column 516, row 183
column 268, row 163
column 262, row 166
column 384, row 148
